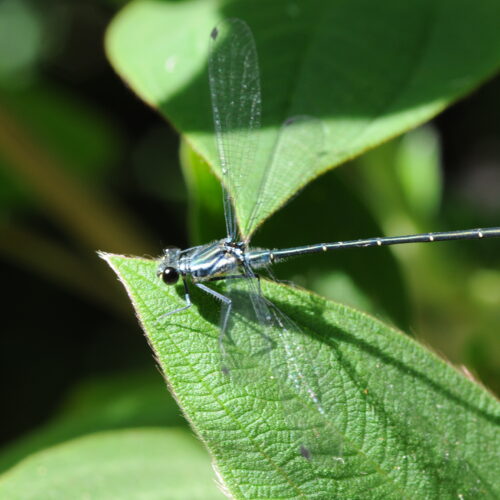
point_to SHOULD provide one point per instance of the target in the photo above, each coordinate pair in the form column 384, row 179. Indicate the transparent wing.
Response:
column 264, row 350
column 296, row 153
column 236, row 102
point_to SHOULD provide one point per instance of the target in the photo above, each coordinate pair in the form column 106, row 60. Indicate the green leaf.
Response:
column 418, row 168
column 114, row 402
column 205, row 216
column 21, row 40
column 394, row 421
column 369, row 71
column 154, row 464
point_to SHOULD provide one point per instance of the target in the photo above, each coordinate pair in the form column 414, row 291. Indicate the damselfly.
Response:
column 236, row 103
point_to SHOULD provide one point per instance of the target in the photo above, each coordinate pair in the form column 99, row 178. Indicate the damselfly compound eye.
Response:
column 170, row 276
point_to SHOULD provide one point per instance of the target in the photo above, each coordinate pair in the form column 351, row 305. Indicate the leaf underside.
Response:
column 369, row 71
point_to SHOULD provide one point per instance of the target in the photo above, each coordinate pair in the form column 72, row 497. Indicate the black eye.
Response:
column 170, row 276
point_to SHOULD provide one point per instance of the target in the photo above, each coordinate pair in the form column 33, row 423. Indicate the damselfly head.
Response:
column 168, row 267
column 171, row 256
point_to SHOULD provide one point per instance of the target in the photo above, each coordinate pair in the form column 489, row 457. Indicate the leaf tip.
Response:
column 104, row 255
column 110, row 259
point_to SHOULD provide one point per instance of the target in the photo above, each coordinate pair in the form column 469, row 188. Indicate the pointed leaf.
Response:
column 395, row 420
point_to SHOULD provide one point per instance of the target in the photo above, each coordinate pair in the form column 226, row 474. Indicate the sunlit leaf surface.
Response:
column 395, row 421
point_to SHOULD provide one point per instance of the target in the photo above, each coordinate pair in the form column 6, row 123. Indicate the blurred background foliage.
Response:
column 84, row 165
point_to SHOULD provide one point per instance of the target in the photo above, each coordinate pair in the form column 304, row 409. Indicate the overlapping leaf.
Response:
column 369, row 71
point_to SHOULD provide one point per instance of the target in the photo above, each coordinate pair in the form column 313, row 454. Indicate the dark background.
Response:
column 64, row 316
